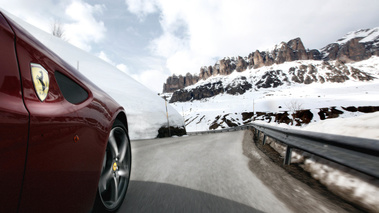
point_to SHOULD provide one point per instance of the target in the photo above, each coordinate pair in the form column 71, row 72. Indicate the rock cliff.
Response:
column 321, row 72
column 174, row 82
column 290, row 51
column 354, row 46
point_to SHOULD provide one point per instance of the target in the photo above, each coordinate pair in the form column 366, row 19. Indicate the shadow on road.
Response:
column 161, row 197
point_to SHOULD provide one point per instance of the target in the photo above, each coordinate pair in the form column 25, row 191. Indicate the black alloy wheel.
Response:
column 115, row 173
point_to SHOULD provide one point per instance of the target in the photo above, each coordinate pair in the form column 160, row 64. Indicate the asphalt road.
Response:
column 205, row 173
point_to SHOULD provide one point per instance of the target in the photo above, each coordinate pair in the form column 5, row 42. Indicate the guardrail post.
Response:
column 259, row 132
column 287, row 158
column 264, row 140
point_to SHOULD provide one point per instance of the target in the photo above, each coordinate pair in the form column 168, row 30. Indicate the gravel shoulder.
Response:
column 290, row 183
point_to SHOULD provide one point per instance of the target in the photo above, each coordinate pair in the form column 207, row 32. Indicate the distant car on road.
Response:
column 64, row 144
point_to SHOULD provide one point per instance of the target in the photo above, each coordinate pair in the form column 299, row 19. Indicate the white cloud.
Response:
column 141, row 7
column 152, row 79
column 123, row 68
column 104, row 56
column 184, row 61
column 198, row 31
column 84, row 28
column 39, row 16
column 77, row 17
column 168, row 44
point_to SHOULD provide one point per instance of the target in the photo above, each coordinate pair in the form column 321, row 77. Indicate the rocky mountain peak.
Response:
column 354, row 46
column 285, row 51
column 365, row 35
column 174, row 82
column 296, row 44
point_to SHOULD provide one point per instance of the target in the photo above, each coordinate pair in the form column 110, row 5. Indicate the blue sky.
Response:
column 152, row 39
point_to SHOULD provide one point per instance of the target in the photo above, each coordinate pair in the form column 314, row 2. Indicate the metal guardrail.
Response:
column 360, row 154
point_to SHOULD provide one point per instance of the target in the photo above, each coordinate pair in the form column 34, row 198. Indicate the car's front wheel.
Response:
column 115, row 173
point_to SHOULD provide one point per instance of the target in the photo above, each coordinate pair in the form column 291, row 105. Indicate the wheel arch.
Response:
column 121, row 116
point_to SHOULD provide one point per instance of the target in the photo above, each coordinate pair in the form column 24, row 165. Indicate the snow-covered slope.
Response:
column 356, row 46
column 367, row 35
column 282, row 88
column 225, row 110
column 145, row 109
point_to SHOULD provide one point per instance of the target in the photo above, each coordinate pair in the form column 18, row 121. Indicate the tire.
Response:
column 115, row 172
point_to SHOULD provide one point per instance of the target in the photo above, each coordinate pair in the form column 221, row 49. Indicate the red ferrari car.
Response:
column 64, row 144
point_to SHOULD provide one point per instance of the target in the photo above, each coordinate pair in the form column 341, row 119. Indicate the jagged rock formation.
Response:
column 290, row 51
column 174, row 82
column 271, row 79
column 239, row 86
column 355, row 46
column 335, row 72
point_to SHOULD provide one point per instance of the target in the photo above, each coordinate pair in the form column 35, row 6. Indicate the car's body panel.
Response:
column 61, row 172
column 14, row 120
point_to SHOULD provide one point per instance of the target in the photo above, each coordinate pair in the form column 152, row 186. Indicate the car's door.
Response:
column 65, row 151
column 14, row 122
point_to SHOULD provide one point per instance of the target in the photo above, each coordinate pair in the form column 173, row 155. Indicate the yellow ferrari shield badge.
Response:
column 40, row 80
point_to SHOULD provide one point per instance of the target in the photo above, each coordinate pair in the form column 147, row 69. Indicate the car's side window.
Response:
column 71, row 91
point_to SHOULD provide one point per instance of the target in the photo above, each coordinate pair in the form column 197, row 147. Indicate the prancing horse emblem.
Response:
column 40, row 80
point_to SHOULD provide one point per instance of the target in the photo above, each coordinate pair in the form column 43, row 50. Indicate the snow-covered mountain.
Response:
column 145, row 109
column 288, row 84
column 349, row 98
column 290, row 73
column 365, row 35
column 354, row 46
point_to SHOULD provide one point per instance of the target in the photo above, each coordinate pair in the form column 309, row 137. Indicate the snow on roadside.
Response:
column 145, row 109
column 353, row 186
column 349, row 184
column 365, row 126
